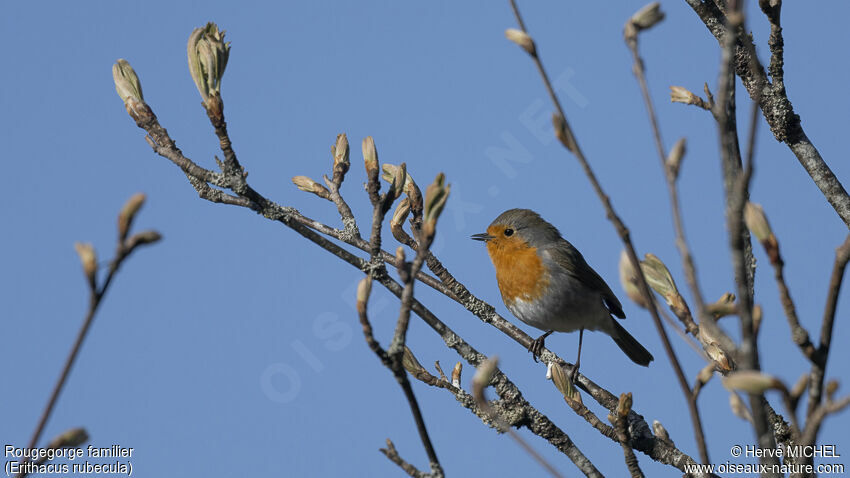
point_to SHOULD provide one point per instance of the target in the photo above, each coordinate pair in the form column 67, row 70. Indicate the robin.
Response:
column 547, row 284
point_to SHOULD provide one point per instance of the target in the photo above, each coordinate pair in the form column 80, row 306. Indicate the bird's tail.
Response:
column 630, row 345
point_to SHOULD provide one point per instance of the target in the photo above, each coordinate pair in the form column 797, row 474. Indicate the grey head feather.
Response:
column 531, row 227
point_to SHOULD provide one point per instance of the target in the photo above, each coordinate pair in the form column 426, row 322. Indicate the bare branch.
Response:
column 773, row 101
column 618, row 418
column 842, row 255
column 391, row 453
column 483, row 377
column 124, row 248
column 816, row 419
column 393, row 359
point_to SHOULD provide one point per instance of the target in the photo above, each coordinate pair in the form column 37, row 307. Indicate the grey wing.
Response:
column 571, row 259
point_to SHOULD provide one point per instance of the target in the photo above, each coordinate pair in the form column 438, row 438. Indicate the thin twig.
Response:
column 394, row 365
column 672, row 189
column 799, row 334
column 391, row 453
column 96, row 295
column 479, row 384
column 621, row 428
column 842, row 255
column 816, row 419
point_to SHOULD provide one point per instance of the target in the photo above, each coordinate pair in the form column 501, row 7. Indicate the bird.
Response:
column 546, row 283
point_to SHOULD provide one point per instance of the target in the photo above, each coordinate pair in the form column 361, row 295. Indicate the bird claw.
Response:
column 537, row 345
column 574, row 374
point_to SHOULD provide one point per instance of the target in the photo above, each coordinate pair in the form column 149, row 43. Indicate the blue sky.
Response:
column 232, row 347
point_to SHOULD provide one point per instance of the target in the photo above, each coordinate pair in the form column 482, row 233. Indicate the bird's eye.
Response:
column 509, row 232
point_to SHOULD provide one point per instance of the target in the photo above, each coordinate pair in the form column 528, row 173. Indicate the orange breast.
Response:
column 519, row 271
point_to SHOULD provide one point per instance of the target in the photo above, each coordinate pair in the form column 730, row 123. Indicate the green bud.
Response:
column 128, row 213
column 397, row 177
column 400, row 214
column 680, row 94
column 370, row 155
column 308, row 185
column 364, row 288
column 648, row 16
column 142, row 238
column 340, row 152
column 126, row 81
column 659, row 278
column 757, row 221
column 207, row 53
column 435, row 198
column 88, row 258
column 556, row 373
column 562, row 132
column 751, row 381
column 409, row 362
column 660, row 431
column 522, row 39
column 70, row 439
column 628, row 279
column 717, row 355
column 674, row 159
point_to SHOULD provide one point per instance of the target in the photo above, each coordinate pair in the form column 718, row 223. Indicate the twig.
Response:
column 342, row 163
column 681, row 242
column 395, row 366
column 799, row 334
column 591, row 418
column 391, row 453
column 124, row 249
column 392, row 359
column 842, row 255
column 618, row 418
column 816, row 419
column 482, row 379
column 572, row 144
column 772, row 10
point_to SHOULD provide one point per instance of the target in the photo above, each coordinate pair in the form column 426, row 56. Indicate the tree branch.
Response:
column 124, row 248
column 775, row 105
column 842, row 255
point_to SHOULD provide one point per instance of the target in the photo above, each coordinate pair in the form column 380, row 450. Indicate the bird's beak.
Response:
column 482, row 237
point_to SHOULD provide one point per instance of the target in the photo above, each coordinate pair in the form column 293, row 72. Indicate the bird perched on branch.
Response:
column 547, row 284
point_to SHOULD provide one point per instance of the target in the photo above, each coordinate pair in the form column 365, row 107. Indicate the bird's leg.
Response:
column 537, row 345
column 574, row 373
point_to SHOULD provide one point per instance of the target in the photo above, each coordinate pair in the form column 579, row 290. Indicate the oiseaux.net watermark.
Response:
column 793, row 459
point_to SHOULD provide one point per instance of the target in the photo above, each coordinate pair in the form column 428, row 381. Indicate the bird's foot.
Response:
column 537, row 345
column 574, row 374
